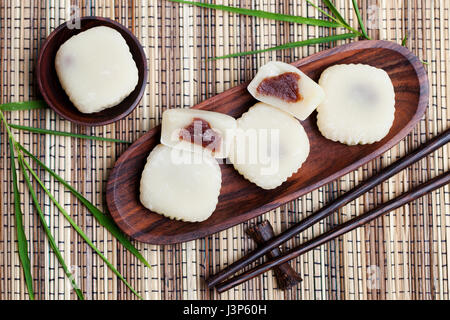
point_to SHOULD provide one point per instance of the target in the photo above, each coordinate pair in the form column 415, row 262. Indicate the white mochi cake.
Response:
column 270, row 146
column 359, row 106
column 180, row 184
column 198, row 130
column 284, row 86
column 96, row 69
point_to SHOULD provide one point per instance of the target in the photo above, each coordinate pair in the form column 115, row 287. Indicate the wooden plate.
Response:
column 55, row 96
column 241, row 200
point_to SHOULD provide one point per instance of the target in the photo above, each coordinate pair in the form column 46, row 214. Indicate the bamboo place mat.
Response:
column 403, row 255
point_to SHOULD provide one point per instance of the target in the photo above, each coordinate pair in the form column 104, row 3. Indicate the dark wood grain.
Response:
column 54, row 94
column 241, row 200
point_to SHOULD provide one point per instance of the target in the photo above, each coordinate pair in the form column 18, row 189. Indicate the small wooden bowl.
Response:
column 56, row 97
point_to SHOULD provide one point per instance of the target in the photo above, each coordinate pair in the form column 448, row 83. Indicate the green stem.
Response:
column 405, row 40
column 339, row 19
column 79, row 231
column 52, row 242
column 324, row 12
column 293, row 45
column 263, row 14
column 23, row 105
column 335, row 11
column 20, row 230
column 5, row 123
column 65, row 134
column 361, row 24
column 22, row 242
column 22, row 248
column 102, row 218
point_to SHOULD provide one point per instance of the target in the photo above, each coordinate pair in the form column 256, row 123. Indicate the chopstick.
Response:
column 354, row 223
column 333, row 206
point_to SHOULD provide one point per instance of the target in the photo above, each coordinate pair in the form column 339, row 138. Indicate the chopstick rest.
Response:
column 286, row 276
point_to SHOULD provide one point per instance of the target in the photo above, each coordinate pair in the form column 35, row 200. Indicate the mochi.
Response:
column 284, row 86
column 180, row 184
column 96, row 69
column 198, row 131
column 270, row 146
column 360, row 104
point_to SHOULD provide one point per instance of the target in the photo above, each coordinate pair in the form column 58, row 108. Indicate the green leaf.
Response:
column 80, row 232
column 323, row 11
column 25, row 105
column 51, row 240
column 361, row 24
column 335, row 11
column 65, row 134
column 264, row 14
column 293, row 45
column 101, row 217
column 21, row 237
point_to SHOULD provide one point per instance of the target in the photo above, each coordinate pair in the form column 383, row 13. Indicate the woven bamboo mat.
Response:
column 404, row 255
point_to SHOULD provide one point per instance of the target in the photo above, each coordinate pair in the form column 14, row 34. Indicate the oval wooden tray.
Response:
column 241, row 200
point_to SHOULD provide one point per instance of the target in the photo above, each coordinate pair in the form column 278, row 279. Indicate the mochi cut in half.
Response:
column 198, row 131
column 270, row 146
column 284, row 86
column 180, row 185
column 360, row 104
column 96, row 69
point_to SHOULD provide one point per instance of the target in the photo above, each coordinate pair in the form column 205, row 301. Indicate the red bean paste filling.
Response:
column 283, row 86
column 200, row 132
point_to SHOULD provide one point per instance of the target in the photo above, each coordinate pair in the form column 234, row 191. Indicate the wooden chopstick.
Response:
column 339, row 230
column 333, row 206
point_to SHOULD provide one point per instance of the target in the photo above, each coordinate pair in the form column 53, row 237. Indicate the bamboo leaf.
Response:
column 101, row 217
column 51, row 240
column 293, row 45
column 79, row 231
column 25, row 105
column 335, row 11
column 323, row 11
column 264, row 14
column 21, row 237
column 65, row 134
column 361, row 24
